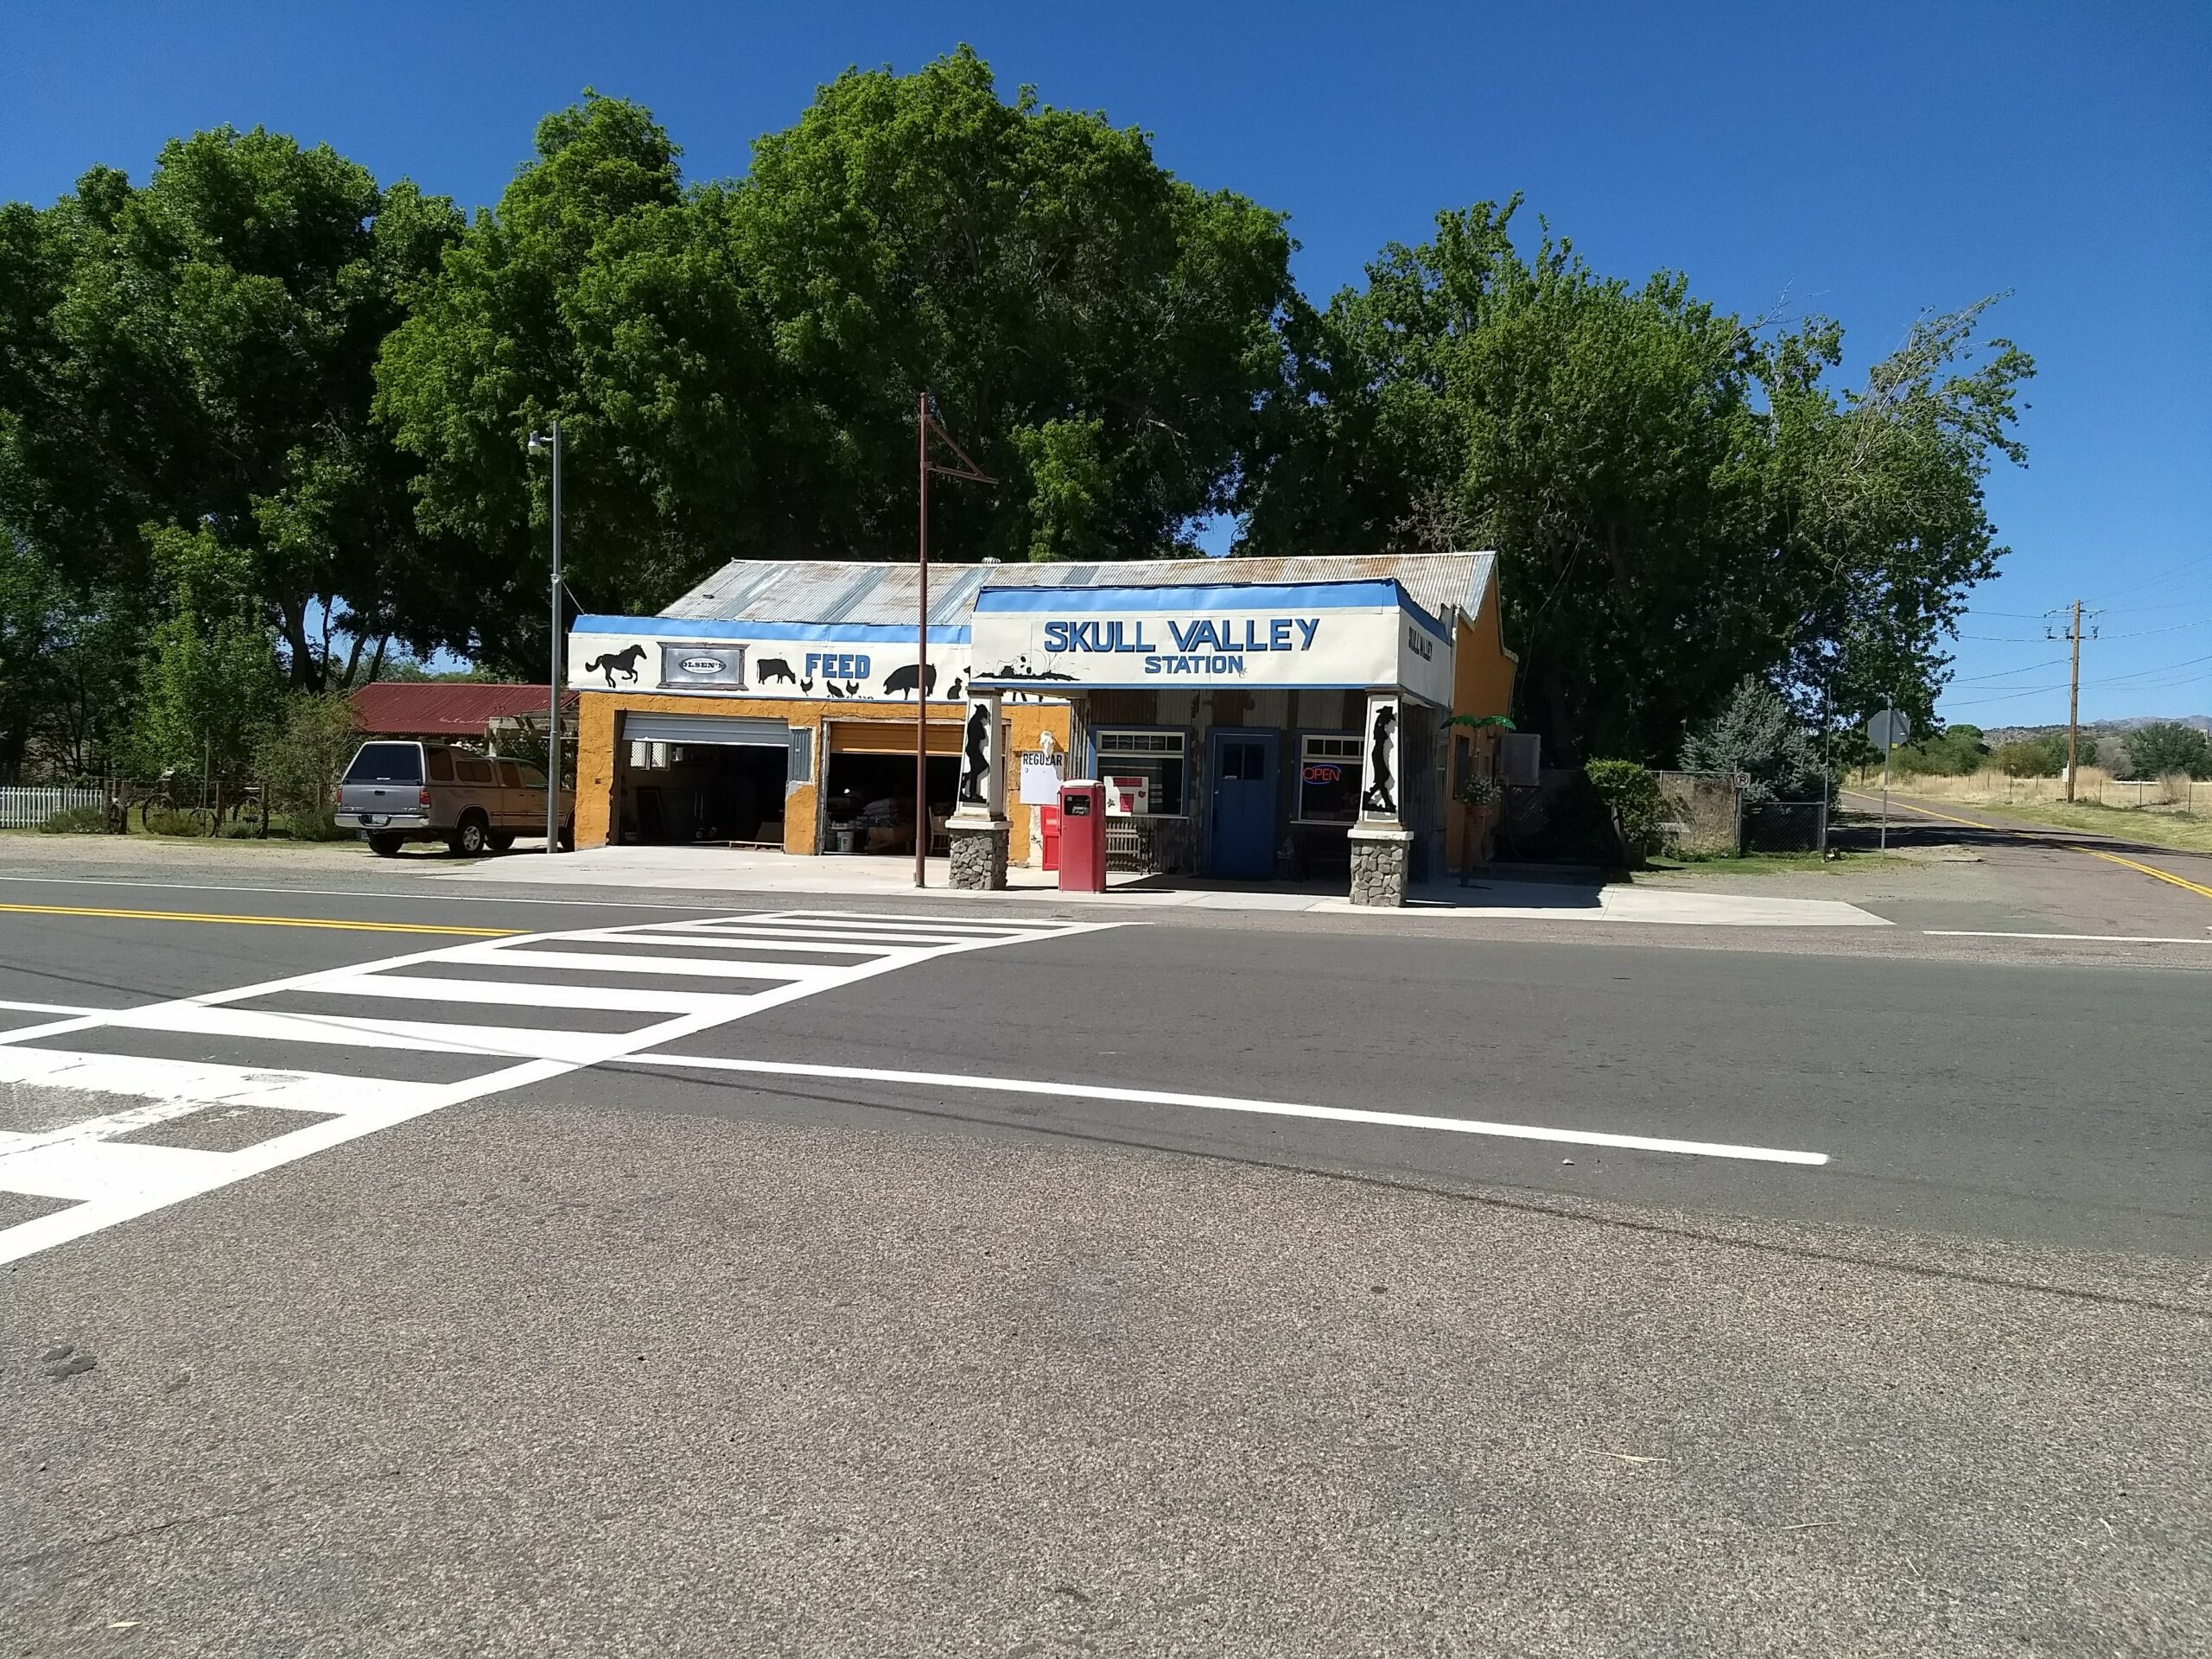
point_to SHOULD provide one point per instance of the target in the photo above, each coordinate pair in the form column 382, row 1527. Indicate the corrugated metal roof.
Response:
column 443, row 708
column 825, row 591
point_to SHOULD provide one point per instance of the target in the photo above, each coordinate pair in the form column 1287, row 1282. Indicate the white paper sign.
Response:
column 1040, row 779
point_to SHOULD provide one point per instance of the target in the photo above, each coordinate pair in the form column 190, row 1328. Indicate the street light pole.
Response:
column 556, row 667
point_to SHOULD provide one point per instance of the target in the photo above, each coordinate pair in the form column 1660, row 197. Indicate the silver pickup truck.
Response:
column 398, row 790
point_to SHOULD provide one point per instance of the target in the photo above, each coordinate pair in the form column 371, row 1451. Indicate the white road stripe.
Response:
column 113, row 1181
column 524, row 994
column 197, row 1083
column 601, row 961
column 2084, row 938
column 44, row 1007
column 1231, row 1103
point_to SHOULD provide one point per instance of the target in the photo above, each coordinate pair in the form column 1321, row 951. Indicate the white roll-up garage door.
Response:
column 705, row 728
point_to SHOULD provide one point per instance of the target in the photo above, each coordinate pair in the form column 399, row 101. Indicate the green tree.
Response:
column 2166, row 747
column 300, row 755
column 736, row 366
column 200, row 353
column 2085, row 750
column 2027, row 757
column 1956, row 752
column 211, row 681
column 1676, row 499
column 1756, row 733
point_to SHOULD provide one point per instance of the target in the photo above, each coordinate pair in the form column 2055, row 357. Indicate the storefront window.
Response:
column 1158, row 757
column 1328, row 778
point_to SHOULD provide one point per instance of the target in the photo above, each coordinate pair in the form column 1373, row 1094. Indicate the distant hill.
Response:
column 1994, row 735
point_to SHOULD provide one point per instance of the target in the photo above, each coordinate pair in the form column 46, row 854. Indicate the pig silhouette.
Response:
column 905, row 680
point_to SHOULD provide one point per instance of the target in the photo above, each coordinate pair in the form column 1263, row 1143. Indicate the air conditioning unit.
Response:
column 1520, row 760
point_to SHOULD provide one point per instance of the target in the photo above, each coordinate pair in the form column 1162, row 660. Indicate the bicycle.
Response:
column 161, row 801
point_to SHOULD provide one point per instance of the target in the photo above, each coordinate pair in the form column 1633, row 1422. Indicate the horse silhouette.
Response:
column 624, row 662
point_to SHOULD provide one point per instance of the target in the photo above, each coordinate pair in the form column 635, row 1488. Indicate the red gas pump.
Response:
column 1082, row 836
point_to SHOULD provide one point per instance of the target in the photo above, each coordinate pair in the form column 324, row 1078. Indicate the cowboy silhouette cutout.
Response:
column 1381, row 795
column 977, row 756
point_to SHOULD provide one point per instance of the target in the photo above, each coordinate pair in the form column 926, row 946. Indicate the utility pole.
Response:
column 2072, row 623
column 2073, row 701
column 925, row 425
column 557, row 667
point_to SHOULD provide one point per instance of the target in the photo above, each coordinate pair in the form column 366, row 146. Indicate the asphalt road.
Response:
column 635, row 1351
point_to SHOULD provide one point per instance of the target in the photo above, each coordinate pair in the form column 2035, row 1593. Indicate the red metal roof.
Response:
column 445, row 708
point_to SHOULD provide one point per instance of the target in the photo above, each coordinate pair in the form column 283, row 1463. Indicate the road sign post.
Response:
column 1886, row 731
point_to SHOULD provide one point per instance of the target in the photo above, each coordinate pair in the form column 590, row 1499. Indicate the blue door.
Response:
column 1242, row 842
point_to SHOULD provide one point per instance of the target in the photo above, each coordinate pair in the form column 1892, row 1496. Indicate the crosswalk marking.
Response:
column 731, row 960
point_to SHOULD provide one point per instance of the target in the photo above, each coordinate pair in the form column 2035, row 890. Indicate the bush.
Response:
column 1956, row 752
column 2028, row 759
column 1632, row 796
column 176, row 824
column 2166, row 747
column 77, row 820
column 300, row 758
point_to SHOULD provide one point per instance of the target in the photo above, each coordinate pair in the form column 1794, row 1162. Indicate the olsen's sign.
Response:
column 1347, row 634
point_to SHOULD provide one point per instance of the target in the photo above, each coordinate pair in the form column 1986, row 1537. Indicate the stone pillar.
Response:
column 1382, row 846
column 1378, row 866
column 979, row 828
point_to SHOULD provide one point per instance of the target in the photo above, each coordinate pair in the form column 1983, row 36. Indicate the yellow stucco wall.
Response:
column 597, row 723
column 1482, row 683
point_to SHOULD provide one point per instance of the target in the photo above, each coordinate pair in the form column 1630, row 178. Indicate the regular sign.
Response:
column 1888, row 729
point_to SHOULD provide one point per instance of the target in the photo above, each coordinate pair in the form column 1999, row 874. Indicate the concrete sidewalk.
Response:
column 701, row 869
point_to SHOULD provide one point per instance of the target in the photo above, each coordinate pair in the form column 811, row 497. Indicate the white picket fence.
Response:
column 26, row 809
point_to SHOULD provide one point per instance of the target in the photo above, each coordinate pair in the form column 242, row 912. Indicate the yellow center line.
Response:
column 261, row 921
column 2055, row 836
column 2148, row 869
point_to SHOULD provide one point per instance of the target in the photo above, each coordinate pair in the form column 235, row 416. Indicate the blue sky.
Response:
column 1869, row 160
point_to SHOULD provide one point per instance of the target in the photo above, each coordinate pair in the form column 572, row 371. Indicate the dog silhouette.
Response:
column 624, row 662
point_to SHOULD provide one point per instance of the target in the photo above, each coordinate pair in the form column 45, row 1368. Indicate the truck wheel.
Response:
column 472, row 837
column 385, row 846
column 502, row 840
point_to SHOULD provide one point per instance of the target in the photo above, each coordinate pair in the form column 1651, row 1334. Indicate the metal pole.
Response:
column 556, row 675
column 1889, row 740
column 2074, row 703
column 922, row 662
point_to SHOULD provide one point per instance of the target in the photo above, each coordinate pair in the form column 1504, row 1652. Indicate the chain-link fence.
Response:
column 1702, row 811
column 1784, row 827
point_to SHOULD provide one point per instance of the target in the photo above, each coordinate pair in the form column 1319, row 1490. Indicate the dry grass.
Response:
column 2175, row 812
column 2095, row 786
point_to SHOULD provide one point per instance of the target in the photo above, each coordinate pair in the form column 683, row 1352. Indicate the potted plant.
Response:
column 1484, row 798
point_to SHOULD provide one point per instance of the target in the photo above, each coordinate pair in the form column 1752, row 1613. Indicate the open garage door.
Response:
column 705, row 728
column 702, row 778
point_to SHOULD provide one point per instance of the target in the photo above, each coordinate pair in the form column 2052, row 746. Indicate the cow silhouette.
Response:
column 775, row 668
column 624, row 662
column 905, row 680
